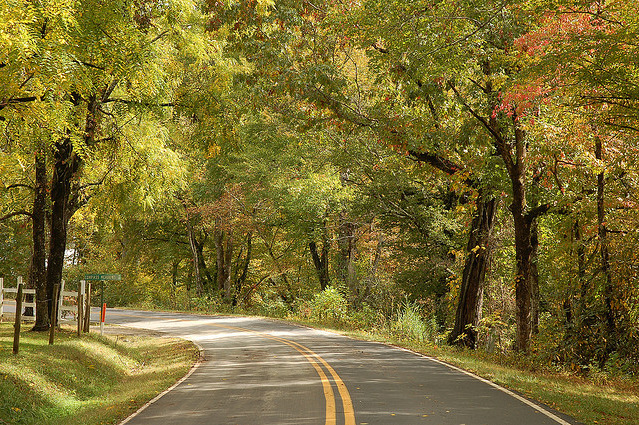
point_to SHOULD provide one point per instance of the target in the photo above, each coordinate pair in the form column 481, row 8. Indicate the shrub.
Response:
column 329, row 306
column 409, row 324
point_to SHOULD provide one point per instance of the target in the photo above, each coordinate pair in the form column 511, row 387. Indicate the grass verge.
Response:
column 88, row 380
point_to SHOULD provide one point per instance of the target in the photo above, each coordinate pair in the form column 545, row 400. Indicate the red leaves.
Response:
column 522, row 98
column 560, row 27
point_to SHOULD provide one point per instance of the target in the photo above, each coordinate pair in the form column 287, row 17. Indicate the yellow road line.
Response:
column 349, row 411
column 309, row 355
column 329, row 395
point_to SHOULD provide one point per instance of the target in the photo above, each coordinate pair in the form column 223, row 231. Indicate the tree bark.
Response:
column 534, row 277
column 224, row 258
column 244, row 268
column 346, row 244
column 471, row 290
column 602, row 233
column 514, row 155
column 38, row 272
column 199, row 289
column 174, row 275
column 219, row 259
column 472, row 286
column 65, row 166
column 65, row 169
column 523, row 244
column 228, row 263
column 321, row 262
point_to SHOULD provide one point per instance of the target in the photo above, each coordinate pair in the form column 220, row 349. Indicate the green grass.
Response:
column 87, row 380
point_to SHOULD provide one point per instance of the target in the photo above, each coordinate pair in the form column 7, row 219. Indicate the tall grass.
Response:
column 410, row 325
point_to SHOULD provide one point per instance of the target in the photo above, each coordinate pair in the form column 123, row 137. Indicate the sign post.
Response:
column 102, row 277
column 102, row 317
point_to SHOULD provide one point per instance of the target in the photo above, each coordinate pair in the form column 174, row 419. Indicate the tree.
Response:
column 104, row 56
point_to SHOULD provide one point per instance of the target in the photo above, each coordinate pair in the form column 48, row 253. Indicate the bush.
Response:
column 205, row 304
column 271, row 308
column 367, row 318
column 328, row 306
column 409, row 325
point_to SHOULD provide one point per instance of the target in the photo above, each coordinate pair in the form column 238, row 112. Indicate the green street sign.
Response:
column 102, row 276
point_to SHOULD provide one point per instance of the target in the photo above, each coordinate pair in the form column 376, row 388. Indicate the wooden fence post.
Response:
column 54, row 313
column 1, row 297
column 80, row 307
column 87, row 311
column 18, row 320
column 60, row 301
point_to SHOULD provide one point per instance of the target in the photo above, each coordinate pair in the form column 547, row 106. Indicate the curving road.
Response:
column 265, row 372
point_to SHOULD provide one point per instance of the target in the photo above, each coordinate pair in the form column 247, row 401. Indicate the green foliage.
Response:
column 409, row 324
column 329, row 306
column 230, row 135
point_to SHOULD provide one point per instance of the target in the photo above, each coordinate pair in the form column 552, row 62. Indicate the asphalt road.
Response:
column 259, row 371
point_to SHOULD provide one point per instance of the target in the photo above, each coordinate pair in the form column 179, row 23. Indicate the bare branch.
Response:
column 6, row 102
column 15, row 214
column 90, row 65
column 135, row 102
column 19, row 185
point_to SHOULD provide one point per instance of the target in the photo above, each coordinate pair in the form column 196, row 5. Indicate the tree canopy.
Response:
column 474, row 162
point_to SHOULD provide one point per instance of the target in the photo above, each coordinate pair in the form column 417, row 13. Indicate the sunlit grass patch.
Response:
column 86, row 380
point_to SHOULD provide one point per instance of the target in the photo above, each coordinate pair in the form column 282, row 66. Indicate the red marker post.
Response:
column 102, row 317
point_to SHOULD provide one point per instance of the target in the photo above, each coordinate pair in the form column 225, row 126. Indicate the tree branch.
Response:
column 90, row 65
column 16, row 213
column 134, row 102
column 538, row 211
column 17, row 185
column 441, row 163
column 500, row 143
column 6, row 102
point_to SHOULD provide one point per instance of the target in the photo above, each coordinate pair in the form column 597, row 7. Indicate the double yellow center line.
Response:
column 314, row 359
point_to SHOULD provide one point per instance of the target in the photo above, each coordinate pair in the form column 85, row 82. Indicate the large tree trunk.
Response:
column 610, row 324
column 174, row 275
column 38, row 272
column 199, row 289
column 514, row 155
column 228, row 263
column 346, row 244
column 522, row 220
column 243, row 267
column 534, row 277
column 320, row 260
column 224, row 258
column 471, row 291
column 65, row 166
column 204, row 269
column 534, row 243
column 472, row 285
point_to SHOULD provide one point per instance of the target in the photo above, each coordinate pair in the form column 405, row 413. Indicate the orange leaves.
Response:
column 522, row 98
